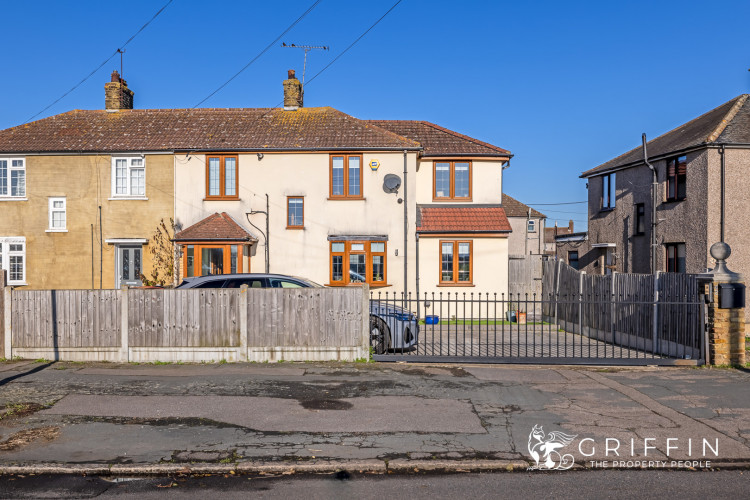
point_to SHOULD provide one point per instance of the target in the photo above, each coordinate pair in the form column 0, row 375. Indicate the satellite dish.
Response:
column 391, row 183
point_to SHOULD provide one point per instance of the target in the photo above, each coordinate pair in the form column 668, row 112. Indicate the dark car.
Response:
column 391, row 326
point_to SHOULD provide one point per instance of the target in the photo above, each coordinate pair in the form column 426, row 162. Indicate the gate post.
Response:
column 725, row 291
column 655, row 316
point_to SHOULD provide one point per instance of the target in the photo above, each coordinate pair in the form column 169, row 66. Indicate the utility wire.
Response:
column 309, row 9
column 354, row 42
column 338, row 56
column 103, row 63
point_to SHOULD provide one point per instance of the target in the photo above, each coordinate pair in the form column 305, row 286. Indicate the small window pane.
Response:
column 230, row 173
column 337, row 180
column 464, row 262
column 233, row 259
column 16, row 268
column 461, row 189
column 121, row 177
column 337, row 268
column 212, row 261
column 357, row 268
column 136, row 263
column 378, row 268
column 137, row 182
column 442, row 180
column 354, row 179
column 3, row 177
column 446, row 262
column 189, row 261
column 214, row 176
column 16, row 247
column 338, row 247
column 377, row 247
column 358, row 247
column 126, row 264
column 18, row 183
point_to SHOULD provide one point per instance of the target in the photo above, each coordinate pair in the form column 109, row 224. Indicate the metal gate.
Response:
column 570, row 328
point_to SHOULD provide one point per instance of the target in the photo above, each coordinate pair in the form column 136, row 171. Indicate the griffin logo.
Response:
column 543, row 449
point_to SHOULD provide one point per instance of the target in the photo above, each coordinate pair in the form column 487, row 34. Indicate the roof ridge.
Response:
column 727, row 118
column 462, row 136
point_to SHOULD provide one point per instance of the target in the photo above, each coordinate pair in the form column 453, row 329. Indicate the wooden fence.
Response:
column 188, row 325
column 659, row 313
column 525, row 277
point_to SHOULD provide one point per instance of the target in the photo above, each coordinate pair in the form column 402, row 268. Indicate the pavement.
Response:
column 136, row 419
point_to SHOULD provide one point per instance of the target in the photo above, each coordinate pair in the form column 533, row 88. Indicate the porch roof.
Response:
column 215, row 227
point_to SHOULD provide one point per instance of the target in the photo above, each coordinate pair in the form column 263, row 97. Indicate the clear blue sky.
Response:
column 564, row 85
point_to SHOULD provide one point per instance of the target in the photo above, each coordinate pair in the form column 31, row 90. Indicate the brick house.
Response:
column 689, row 161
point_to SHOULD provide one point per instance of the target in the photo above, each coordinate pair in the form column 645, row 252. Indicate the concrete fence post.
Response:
column 243, row 323
column 365, row 340
column 124, row 326
column 5, row 316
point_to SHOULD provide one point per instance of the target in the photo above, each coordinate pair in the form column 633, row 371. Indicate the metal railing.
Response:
column 570, row 329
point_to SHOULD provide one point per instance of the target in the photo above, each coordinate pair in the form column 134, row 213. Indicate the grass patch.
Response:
column 490, row 322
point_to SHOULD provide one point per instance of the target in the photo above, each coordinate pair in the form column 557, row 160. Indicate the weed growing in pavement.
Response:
column 157, row 362
column 41, row 360
column 222, row 361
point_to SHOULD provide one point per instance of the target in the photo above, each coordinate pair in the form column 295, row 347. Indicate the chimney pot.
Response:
column 115, row 76
column 290, row 74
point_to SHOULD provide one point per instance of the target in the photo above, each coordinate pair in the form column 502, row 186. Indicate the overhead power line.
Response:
column 103, row 63
column 274, row 42
column 354, row 42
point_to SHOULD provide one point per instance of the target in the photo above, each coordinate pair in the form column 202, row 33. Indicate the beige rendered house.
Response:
column 311, row 192
column 528, row 224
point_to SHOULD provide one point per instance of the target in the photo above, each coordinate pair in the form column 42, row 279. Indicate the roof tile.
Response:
column 215, row 227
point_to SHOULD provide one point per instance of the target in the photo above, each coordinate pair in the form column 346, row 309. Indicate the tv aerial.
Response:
column 306, row 48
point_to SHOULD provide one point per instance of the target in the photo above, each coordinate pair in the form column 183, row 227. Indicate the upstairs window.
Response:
column 452, row 180
column 346, row 176
column 12, row 177
column 128, row 177
column 295, row 212
column 677, row 178
column 221, row 177
column 608, row 192
column 640, row 219
column 531, row 226
column 57, row 214
column 675, row 257
column 573, row 259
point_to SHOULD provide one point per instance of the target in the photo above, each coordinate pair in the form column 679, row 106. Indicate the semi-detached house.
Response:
column 312, row 192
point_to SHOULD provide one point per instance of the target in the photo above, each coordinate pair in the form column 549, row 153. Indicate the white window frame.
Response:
column 9, row 169
column 6, row 254
column 52, row 210
column 129, row 188
column 531, row 226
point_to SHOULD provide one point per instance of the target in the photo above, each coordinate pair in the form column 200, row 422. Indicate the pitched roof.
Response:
column 439, row 141
column 514, row 208
column 199, row 129
column 728, row 124
column 462, row 219
column 215, row 227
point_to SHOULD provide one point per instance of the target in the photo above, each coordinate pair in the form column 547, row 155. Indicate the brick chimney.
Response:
column 117, row 95
column 292, row 92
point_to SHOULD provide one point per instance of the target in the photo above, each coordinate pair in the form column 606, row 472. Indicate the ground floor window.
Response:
column 358, row 262
column 13, row 259
column 456, row 262
column 204, row 259
column 675, row 257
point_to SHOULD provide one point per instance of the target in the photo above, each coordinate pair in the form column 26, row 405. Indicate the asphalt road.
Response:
column 526, row 485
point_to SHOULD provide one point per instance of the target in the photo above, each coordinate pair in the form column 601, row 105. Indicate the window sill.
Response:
column 340, row 285
column 12, row 198
column 222, row 198
column 457, row 284
column 56, row 231
column 295, row 227
column 122, row 198
column 347, row 198
column 609, row 209
column 451, row 200
column 675, row 200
